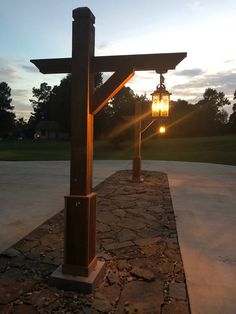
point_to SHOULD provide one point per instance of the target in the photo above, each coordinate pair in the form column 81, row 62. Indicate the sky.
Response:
column 205, row 29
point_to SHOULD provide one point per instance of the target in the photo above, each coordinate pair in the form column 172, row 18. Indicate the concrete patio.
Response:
column 204, row 201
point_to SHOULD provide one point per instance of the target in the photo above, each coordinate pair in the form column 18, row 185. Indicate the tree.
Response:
column 98, row 80
column 211, row 116
column 7, row 117
column 5, row 97
column 21, row 128
column 113, row 121
column 41, row 103
column 54, row 103
column 60, row 103
column 182, row 121
column 60, row 100
column 232, row 118
column 121, row 109
column 123, row 103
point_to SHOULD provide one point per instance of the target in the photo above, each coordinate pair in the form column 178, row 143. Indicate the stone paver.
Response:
column 142, row 274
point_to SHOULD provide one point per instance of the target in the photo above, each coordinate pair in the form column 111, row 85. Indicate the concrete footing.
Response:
column 78, row 283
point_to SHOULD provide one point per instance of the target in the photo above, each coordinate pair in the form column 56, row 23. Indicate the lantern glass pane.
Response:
column 160, row 105
column 165, row 105
column 156, row 105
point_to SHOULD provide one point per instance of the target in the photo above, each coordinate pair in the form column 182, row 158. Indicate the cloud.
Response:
column 195, row 5
column 19, row 92
column 30, row 68
column 102, row 45
column 221, row 80
column 21, row 109
column 143, row 78
column 190, row 72
column 102, row 48
column 229, row 61
column 20, row 106
column 224, row 81
column 7, row 71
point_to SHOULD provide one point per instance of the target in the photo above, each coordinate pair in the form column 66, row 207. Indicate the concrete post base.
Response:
column 78, row 283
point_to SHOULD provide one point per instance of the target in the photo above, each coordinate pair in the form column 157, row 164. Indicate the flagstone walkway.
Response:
column 136, row 236
column 204, row 200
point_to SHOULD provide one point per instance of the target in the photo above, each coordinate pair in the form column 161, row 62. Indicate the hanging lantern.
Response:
column 160, row 100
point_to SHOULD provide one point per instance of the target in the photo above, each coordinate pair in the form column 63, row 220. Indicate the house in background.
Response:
column 49, row 130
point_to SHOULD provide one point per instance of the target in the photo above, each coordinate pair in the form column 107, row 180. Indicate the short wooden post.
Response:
column 137, row 144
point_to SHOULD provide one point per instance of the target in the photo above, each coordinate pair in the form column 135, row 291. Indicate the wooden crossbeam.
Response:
column 53, row 66
column 159, row 61
column 110, row 88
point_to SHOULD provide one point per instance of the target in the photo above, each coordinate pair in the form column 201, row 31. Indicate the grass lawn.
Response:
column 34, row 150
column 221, row 149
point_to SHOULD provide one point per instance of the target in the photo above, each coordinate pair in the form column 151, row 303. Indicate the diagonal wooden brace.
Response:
column 109, row 89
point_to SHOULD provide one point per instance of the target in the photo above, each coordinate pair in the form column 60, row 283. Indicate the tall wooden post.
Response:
column 81, row 270
column 80, row 205
column 137, row 144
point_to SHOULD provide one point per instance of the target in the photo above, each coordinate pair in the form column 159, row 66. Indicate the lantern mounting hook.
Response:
column 161, row 86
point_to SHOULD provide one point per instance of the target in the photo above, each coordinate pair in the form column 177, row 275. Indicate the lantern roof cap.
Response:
column 161, row 89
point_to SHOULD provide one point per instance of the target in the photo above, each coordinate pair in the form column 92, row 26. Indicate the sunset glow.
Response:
column 197, row 28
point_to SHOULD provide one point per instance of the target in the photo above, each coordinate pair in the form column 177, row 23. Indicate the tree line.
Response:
column 205, row 118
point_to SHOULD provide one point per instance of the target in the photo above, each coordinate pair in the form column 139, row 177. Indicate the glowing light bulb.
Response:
column 162, row 129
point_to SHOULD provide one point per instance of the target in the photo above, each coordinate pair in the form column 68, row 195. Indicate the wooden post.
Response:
column 80, row 205
column 137, row 144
